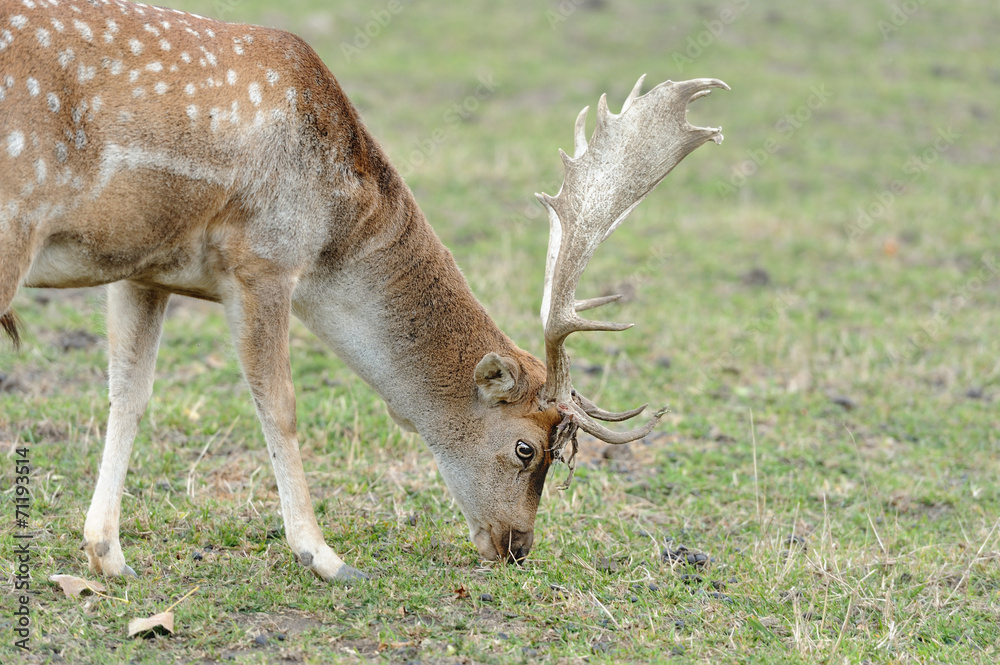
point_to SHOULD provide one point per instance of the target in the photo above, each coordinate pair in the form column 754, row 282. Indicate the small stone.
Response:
column 503, row 636
column 679, row 624
column 197, row 556
column 486, row 597
column 844, row 402
column 528, row 652
column 718, row 585
column 260, row 640
column 281, row 637
column 691, row 579
column 677, row 650
column 634, row 599
column 412, row 519
column 720, row 596
column 653, row 586
column 756, row 277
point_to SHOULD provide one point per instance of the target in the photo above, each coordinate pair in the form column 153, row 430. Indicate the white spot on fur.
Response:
column 18, row 21
column 58, row 25
column 234, row 113
column 41, row 171
column 193, row 32
column 154, row 67
column 237, row 49
column 53, row 102
column 117, row 67
column 151, row 28
column 133, row 76
column 291, row 95
column 81, row 139
column 254, row 91
column 164, row 45
column 85, row 73
column 214, row 115
column 186, row 57
column 136, row 46
column 189, row 89
column 192, row 112
column 66, row 57
column 29, row 4
column 210, row 33
column 273, row 76
column 44, row 38
column 33, row 88
column 231, row 77
column 62, row 152
column 15, row 143
column 84, row 30
column 138, row 92
column 6, row 38
column 96, row 104
column 160, row 88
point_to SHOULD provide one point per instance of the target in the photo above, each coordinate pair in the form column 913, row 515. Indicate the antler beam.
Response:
column 627, row 156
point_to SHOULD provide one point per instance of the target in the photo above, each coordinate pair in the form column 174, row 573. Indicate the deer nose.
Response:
column 514, row 546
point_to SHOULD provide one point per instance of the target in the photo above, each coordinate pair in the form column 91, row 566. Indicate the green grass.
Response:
column 833, row 435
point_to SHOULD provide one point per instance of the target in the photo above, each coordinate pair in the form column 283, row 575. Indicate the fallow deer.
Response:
column 161, row 152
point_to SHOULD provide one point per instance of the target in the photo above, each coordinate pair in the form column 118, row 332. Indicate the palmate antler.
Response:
column 628, row 155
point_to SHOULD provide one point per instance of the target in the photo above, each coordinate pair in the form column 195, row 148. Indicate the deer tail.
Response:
column 10, row 324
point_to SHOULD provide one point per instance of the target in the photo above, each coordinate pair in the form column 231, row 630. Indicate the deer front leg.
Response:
column 135, row 320
column 258, row 308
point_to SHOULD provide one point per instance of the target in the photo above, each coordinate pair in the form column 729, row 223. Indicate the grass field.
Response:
column 818, row 300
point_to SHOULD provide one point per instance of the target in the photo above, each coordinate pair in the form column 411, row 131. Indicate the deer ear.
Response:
column 498, row 378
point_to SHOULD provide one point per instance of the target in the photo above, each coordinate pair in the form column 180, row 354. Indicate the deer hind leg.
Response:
column 135, row 320
column 258, row 309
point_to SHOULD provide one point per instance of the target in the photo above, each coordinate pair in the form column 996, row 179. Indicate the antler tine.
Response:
column 595, row 429
column 627, row 156
column 579, row 133
column 595, row 411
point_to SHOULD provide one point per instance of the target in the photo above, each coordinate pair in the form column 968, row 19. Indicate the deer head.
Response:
column 530, row 413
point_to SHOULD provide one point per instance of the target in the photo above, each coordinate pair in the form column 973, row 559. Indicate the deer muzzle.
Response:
column 504, row 544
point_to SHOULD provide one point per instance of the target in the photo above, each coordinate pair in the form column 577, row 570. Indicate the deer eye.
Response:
column 524, row 451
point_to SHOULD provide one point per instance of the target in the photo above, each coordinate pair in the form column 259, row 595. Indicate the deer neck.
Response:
column 396, row 309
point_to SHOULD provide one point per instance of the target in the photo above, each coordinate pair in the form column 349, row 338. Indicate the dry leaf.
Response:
column 460, row 592
column 158, row 624
column 74, row 586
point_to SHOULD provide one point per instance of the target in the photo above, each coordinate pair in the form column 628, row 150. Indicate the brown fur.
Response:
column 168, row 153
